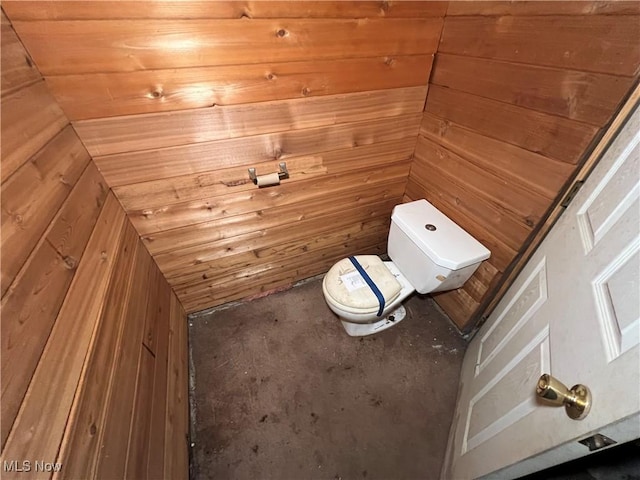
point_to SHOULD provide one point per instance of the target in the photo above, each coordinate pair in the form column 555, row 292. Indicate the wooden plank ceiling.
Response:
column 175, row 100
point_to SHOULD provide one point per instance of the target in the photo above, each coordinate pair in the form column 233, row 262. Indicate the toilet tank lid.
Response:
column 445, row 242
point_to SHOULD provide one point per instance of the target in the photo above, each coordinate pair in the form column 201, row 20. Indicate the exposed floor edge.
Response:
column 225, row 306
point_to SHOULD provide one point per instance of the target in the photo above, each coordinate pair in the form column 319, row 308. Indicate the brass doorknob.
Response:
column 577, row 401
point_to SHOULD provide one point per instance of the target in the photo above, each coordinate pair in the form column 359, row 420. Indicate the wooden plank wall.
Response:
column 518, row 92
column 93, row 341
column 175, row 100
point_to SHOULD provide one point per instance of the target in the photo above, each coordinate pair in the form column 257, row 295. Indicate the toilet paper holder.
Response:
column 282, row 174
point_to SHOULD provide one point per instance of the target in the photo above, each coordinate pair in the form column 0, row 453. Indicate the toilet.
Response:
column 429, row 253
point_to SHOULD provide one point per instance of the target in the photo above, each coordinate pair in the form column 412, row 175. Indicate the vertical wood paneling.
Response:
column 31, row 305
column 78, row 286
column 53, row 172
column 176, row 453
column 17, row 67
column 118, row 418
column 40, row 424
column 30, row 118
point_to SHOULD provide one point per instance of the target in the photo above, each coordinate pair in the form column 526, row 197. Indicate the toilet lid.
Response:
column 346, row 287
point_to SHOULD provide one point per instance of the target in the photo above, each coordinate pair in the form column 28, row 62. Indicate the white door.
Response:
column 573, row 312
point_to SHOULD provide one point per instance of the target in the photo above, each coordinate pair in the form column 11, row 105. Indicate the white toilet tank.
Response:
column 430, row 250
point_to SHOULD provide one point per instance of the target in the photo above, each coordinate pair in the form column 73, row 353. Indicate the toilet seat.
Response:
column 347, row 290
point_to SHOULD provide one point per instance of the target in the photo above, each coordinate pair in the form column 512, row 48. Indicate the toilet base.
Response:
column 362, row 329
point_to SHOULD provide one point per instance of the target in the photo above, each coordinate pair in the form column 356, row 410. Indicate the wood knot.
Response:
column 17, row 218
column 205, row 276
column 103, row 255
column 277, row 154
column 271, row 76
column 157, row 93
column 389, row 61
column 70, row 262
column 529, row 222
column 306, row 91
column 93, row 429
column 281, row 32
column 29, row 61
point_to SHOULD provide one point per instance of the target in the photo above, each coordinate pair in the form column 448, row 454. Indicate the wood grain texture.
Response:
column 114, row 445
column 71, row 47
column 91, row 10
column 300, row 267
column 18, row 69
column 206, row 157
column 597, row 43
column 231, row 226
column 85, row 431
column 554, row 137
column 176, row 450
column 263, row 244
column 33, row 195
column 524, row 205
column 137, row 449
column 154, row 131
column 101, row 95
column 543, row 8
column 30, row 118
column 519, row 166
column 158, row 408
column 31, row 305
column 586, row 97
column 177, row 215
column 39, row 427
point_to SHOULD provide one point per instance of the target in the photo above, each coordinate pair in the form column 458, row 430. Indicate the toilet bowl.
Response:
column 429, row 253
column 358, row 307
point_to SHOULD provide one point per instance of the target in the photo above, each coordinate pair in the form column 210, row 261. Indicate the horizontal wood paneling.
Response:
column 300, row 267
column 516, row 203
column 509, row 162
column 109, row 94
column 146, row 132
column 78, row 10
column 581, row 7
column 264, row 242
column 197, row 211
column 519, row 92
column 30, row 118
column 585, row 97
column 229, row 226
column 548, row 135
column 17, row 67
column 70, row 47
column 593, row 43
column 174, row 101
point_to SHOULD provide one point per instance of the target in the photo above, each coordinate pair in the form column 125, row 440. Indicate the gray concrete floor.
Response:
column 282, row 392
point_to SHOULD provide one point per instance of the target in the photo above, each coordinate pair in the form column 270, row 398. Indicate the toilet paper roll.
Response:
column 268, row 180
